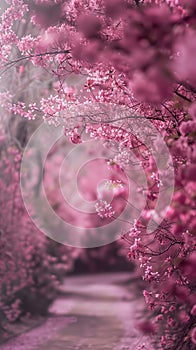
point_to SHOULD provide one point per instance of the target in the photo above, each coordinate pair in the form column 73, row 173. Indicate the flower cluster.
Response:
column 104, row 209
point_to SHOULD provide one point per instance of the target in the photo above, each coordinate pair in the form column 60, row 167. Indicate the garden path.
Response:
column 96, row 312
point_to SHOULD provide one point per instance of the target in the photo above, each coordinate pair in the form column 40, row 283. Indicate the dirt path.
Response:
column 97, row 313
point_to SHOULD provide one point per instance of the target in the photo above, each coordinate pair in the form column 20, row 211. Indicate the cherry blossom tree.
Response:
column 31, row 266
column 113, row 65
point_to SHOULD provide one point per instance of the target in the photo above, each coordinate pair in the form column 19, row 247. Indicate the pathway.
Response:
column 97, row 313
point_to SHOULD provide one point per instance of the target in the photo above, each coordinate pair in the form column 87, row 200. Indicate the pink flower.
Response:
column 114, row 8
column 184, row 64
column 188, row 127
column 152, row 86
column 193, row 310
column 104, row 209
column 89, row 25
column 193, row 335
column 188, row 266
column 75, row 137
column 146, row 327
column 184, row 317
column 191, row 172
